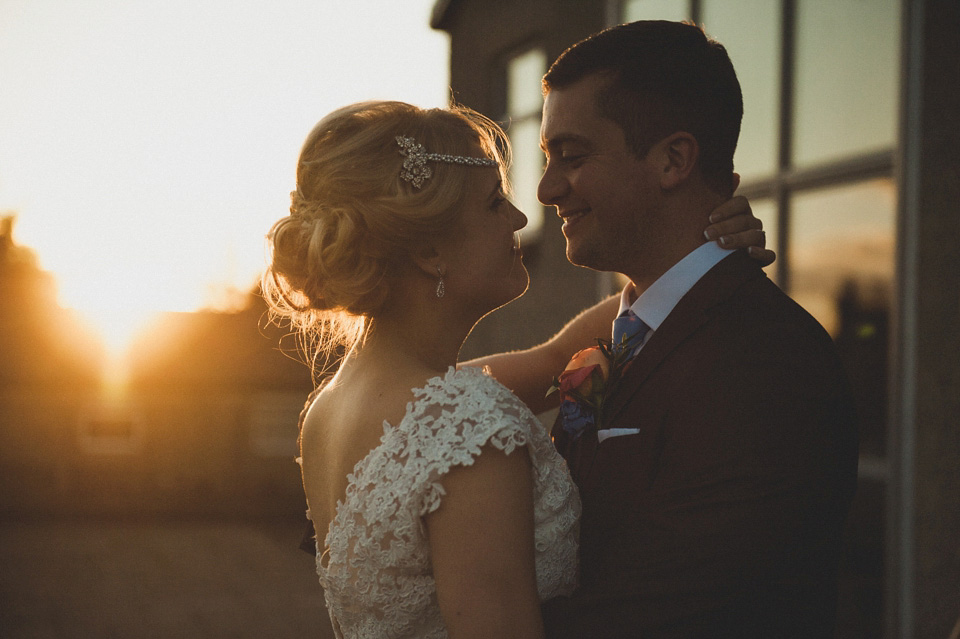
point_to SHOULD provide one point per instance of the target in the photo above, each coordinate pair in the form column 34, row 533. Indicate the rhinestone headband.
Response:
column 415, row 169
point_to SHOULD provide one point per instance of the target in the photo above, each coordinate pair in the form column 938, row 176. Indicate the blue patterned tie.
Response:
column 628, row 330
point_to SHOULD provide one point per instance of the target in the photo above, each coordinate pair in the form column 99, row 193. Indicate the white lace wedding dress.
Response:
column 376, row 570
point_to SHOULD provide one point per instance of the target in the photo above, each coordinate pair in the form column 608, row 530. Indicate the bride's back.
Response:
column 343, row 424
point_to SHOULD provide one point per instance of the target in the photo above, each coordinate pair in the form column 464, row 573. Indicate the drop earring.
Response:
column 441, row 289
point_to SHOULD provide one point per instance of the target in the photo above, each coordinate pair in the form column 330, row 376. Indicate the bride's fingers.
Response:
column 743, row 239
column 764, row 256
column 731, row 208
column 740, row 224
column 754, row 240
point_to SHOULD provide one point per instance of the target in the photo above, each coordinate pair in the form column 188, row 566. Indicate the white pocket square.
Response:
column 607, row 433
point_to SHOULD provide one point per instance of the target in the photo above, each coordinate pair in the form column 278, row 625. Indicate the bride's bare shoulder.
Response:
column 364, row 396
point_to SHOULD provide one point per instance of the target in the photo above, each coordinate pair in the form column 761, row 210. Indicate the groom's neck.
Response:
column 671, row 247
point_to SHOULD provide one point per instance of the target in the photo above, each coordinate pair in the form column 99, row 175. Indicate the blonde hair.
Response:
column 353, row 220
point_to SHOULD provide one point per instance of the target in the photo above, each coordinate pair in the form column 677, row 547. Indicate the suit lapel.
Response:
column 690, row 313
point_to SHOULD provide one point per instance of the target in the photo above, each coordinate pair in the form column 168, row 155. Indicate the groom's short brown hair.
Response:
column 664, row 77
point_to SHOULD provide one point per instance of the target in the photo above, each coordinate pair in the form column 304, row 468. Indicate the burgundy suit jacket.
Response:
column 723, row 516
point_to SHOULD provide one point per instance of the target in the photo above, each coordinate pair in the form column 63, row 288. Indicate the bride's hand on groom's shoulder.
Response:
column 733, row 226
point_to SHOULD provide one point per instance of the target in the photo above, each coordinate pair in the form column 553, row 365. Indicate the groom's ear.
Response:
column 677, row 155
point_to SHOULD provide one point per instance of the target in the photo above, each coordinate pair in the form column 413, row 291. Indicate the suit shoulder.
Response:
column 762, row 306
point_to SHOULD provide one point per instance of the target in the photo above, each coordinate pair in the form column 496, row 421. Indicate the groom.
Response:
column 715, row 495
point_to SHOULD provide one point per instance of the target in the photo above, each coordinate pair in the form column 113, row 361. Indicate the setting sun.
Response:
column 146, row 148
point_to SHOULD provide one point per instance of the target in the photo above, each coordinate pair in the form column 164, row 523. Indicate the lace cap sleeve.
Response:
column 451, row 419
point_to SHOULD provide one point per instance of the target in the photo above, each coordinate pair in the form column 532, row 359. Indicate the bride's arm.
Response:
column 529, row 373
column 481, row 548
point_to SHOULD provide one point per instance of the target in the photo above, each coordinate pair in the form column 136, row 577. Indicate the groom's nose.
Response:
column 553, row 185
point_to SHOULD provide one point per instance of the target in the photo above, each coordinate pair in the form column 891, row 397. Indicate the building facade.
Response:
column 850, row 153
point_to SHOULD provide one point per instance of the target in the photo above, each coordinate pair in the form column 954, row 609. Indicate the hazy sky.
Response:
column 146, row 146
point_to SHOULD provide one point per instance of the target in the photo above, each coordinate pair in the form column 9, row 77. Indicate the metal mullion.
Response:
column 900, row 588
column 756, row 189
column 785, row 151
column 873, row 165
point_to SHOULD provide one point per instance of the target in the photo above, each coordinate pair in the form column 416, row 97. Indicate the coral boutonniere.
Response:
column 586, row 383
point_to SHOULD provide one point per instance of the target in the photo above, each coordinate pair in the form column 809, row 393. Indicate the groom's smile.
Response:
column 570, row 218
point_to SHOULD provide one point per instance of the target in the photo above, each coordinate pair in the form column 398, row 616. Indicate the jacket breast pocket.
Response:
column 625, row 465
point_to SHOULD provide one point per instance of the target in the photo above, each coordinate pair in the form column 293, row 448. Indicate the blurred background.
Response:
column 148, row 413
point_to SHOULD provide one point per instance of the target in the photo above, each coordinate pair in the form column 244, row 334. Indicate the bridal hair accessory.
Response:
column 441, row 289
column 415, row 169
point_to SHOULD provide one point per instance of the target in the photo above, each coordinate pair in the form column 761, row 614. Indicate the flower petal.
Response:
column 573, row 379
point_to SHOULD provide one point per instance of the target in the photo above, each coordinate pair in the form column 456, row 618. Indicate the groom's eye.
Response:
column 572, row 153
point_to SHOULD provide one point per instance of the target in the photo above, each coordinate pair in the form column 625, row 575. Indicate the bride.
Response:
column 447, row 510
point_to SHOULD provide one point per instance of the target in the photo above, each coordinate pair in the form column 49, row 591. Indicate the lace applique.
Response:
column 376, row 570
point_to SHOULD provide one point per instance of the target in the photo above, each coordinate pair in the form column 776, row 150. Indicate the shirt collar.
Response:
column 656, row 302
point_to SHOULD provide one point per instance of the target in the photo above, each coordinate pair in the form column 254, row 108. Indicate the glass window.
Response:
column 842, row 260
column 110, row 428
column 846, row 78
column 525, row 173
column 524, row 73
column 750, row 31
column 842, row 245
column 677, row 10
column 273, row 423
column 524, row 106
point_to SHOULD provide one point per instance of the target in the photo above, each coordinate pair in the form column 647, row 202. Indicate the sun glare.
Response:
column 118, row 327
column 146, row 148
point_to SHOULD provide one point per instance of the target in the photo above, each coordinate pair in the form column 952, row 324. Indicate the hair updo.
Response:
column 353, row 219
